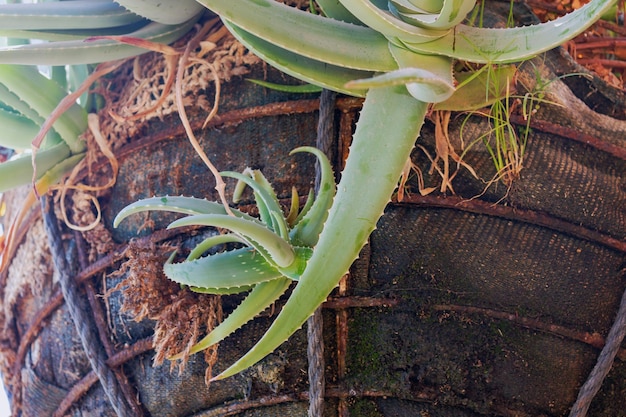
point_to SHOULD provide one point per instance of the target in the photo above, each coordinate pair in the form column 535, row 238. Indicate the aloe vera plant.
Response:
column 399, row 56
column 33, row 105
column 27, row 97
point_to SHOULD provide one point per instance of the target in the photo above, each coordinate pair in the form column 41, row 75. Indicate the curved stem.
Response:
column 390, row 122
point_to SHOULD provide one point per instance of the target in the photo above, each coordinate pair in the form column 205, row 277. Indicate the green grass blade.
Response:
column 300, row 89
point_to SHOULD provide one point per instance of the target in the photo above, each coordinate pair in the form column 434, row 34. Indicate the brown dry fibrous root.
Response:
column 181, row 315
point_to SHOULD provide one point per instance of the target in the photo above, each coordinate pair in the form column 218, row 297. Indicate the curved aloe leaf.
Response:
column 308, row 35
column 269, row 208
column 232, row 269
column 19, row 171
column 211, row 242
column 77, row 14
column 166, row 12
column 388, row 112
column 307, row 228
column 334, row 9
column 315, row 72
column 35, row 96
column 438, row 16
column 260, row 298
column 278, row 249
column 384, row 22
column 80, row 52
column 17, row 130
column 183, row 205
column 486, row 45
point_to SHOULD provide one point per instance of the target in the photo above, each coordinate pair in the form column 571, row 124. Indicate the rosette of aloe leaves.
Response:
column 398, row 54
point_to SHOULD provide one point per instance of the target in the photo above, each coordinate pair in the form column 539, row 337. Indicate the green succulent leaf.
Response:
column 77, row 14
column 307, row 228
column 334, row 9
column 311, row 36
column 211, row 242
column 166, row 12
column 183, row 205
column 17, row 130
column 488, row 45
column 19, row 171
column 232, row 269
column 276, row 249
column 269, row 208
column 260, row 298
column 315, row 72
column 384, row 22
column 81, row 52
column 26, row 90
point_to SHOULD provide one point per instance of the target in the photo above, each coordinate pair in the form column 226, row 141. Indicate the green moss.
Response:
column 364, row 408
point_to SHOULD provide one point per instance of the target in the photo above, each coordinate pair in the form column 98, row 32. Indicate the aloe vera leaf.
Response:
column 70, row 34
column 427, row 78
column 166, row 12
column 384, row 22
column 307, row 206
column 210, row 242
column 279, row 250
column 412, row 6
column 19, row 171
column 183, row 205
column 80, row 52
column 43, row 95
column 77, row 14
column 231, row 269
column 367, row 183
column 307, row 229
column 266, row 199
column 300, row 89
column 478, row 90
column 489, row 45
column 314, row 72
column 43, row 184
column 335, row 10
column 222, row 291
column 17, row 130
column 448, row 15
column 294, row 207
column 260, row 298
column 306, row 34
